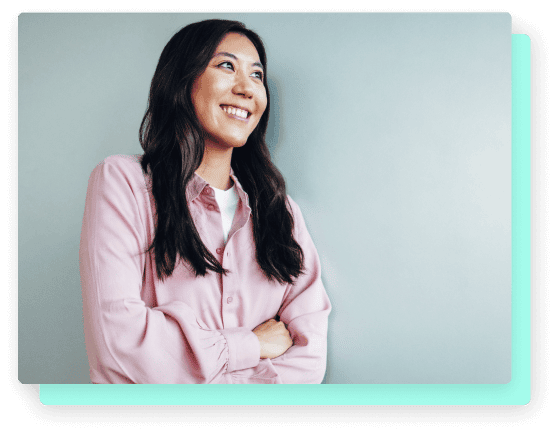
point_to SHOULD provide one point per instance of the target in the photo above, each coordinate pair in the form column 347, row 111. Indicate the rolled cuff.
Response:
column 244, row 348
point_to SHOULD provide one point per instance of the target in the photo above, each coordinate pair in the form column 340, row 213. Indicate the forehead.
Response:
column 239, row 45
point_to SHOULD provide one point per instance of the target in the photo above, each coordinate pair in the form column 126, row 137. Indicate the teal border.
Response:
column 517, row 392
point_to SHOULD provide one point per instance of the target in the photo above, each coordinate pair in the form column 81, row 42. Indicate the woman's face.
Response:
column 229, row 96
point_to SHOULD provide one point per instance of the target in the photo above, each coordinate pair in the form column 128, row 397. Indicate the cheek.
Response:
column 262, row 102
column 198, row 99
column 203, row 104
column 204, row 90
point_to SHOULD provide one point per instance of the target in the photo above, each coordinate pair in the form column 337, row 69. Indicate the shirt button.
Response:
column 211, row 207
column 229, row 300
column 207, row 190
column 219, row 251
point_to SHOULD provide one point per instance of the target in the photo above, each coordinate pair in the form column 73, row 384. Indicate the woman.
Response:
column 196, row 266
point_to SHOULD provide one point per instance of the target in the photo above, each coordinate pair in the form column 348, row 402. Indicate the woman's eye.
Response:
column 258, row 74
column 227, row 65
column 230, row 67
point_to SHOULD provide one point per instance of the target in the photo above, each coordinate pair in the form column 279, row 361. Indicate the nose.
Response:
column 243, row 86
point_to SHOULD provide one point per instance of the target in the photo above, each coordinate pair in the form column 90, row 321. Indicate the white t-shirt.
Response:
column 227, row 202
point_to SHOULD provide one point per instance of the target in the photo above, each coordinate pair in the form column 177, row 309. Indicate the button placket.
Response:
column 209, row 202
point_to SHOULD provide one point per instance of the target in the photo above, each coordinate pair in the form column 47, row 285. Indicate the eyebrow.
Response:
column 231, row 55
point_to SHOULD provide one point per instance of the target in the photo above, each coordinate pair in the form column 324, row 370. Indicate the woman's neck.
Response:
column 216, row 167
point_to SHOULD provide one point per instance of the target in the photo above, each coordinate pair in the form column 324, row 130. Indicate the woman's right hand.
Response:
column 274, row 339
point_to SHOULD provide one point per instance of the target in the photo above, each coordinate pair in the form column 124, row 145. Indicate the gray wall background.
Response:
column 393, row 134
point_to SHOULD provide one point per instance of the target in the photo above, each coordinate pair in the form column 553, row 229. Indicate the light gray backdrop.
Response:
column 393, row 133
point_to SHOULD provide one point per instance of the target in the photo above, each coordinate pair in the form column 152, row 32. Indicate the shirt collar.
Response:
column 197, row 184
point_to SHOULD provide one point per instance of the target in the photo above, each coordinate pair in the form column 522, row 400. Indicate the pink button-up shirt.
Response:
column 189, row 329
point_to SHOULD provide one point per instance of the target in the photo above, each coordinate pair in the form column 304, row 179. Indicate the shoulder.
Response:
column 296, row 213
column 119, row 167
column 293, row 207
column 122, row 163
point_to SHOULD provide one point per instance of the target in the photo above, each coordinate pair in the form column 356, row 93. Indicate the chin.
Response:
column 240, row 144
column 225, row 143
column 233, row 142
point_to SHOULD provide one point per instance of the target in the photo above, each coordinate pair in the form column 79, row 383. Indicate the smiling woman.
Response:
column 229, row 96
column 196, row 265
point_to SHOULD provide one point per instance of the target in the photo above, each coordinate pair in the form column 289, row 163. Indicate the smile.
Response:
column 236, row 112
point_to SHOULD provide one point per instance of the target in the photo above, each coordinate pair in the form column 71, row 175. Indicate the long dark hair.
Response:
column 173, row 142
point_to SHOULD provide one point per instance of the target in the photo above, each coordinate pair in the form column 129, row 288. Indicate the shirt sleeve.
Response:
column 127, row 341
column 304, row 311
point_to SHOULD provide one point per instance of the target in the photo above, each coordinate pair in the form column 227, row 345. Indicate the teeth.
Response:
column 235, row 111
